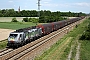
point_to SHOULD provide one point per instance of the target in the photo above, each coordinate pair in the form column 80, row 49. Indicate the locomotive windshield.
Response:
column 13, row 35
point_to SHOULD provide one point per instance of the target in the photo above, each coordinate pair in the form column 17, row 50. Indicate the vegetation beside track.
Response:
column 85, row 50
column 85, row 43
column 63, row 55
column 3, row 44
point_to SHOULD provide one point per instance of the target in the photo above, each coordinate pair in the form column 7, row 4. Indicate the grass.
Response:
column 49, row 54
column 3, row 44
column 50, row 50
column 85, row 50
column 15, row 25
column 74, row 44
column 74, row 34
column 66, row 51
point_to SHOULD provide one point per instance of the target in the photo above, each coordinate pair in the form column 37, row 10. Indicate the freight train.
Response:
column 21, row 37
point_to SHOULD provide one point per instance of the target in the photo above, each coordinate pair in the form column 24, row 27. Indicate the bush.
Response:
column 14, row 20
column 34, row 20
column 30, row 20
column 48, row 19
column 25, row 19
column 86, row 34
column 89, row 18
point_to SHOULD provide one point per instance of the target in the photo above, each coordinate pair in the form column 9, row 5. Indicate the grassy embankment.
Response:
column 14, row 26
column 85, row 48
column 3, row 44
column 60, row 50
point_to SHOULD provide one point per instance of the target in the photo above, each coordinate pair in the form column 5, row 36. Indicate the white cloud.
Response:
column 14, row 5
column 25, row 6
column 49, row 5
column 55, row 5
column 82, row 4
column 10, row 1
column 46, row 2
column 65, row 5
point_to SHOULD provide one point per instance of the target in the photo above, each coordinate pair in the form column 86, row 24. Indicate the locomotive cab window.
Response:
column 13, row 35
column 20, row 35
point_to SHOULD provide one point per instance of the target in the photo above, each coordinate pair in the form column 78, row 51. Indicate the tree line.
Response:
column 34, row 13
column 46, row 16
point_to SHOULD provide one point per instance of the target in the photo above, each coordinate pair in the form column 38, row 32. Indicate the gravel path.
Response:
column 78, row 52
column 70, row 54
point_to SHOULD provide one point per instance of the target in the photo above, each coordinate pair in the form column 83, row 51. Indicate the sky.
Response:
column 52, row 5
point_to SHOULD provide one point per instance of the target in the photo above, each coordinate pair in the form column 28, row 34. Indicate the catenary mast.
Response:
column 39, row 8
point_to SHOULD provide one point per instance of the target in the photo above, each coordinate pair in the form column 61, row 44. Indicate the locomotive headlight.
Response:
column 11, row 39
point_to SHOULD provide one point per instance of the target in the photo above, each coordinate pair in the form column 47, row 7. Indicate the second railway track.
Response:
column 22, row 51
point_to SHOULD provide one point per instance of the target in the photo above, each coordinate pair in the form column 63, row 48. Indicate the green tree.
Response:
column 34, row 13
column 14, row 20
column 26, row 19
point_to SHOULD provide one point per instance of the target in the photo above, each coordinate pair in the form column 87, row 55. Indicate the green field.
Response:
column 16, row 25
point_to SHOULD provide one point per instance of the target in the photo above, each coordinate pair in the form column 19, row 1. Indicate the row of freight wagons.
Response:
column 47, row 28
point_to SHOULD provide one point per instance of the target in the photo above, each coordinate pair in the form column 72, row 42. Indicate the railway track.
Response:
column 22, row 51
column 5, row 51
